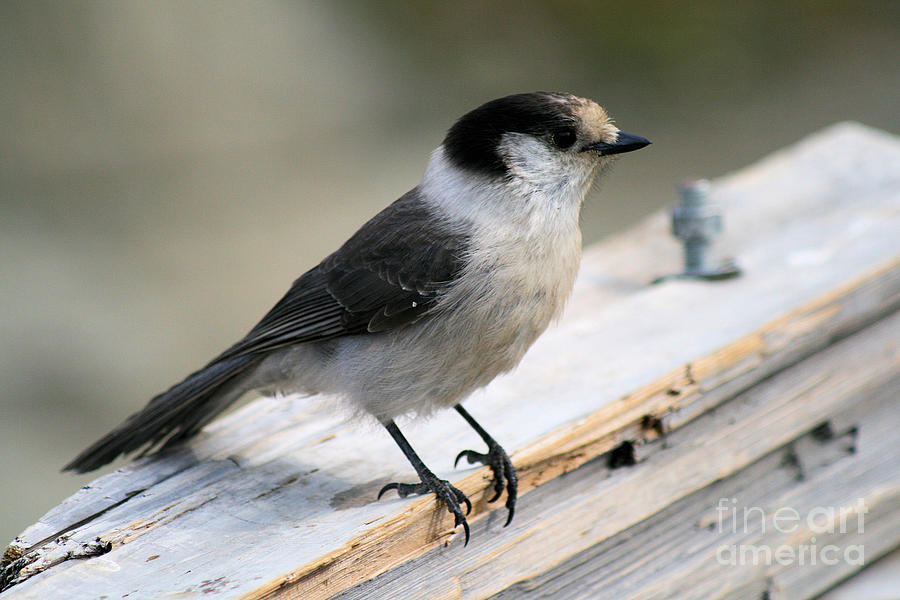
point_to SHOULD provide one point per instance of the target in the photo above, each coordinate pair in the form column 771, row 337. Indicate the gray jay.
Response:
column 434, row 297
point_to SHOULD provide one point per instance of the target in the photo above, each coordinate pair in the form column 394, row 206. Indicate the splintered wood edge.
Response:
column 636, row 417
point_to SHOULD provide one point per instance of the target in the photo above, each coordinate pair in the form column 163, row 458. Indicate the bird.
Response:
column 431, row 299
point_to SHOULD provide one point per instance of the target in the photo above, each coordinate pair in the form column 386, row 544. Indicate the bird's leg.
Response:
column 429, row 483
column 497, row 459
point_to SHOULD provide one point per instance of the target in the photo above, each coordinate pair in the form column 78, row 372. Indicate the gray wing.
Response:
column 385, row 276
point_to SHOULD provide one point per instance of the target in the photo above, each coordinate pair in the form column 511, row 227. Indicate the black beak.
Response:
column 626, row 142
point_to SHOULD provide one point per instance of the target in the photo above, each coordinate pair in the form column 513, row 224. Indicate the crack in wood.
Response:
column 621, row 456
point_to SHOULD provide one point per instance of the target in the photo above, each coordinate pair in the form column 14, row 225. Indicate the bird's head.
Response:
column 548, row 142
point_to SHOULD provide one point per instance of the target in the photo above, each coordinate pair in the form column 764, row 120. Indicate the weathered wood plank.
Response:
column 567, row 518
column 277, row 500
column 878, row 580
column 680, row 544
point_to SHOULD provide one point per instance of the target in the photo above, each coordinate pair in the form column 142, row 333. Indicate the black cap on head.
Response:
column 472, row 141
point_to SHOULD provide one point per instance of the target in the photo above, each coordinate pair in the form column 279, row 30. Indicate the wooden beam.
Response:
column 766, row 448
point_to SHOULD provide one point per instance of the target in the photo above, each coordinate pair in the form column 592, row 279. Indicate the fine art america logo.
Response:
column 812, row 529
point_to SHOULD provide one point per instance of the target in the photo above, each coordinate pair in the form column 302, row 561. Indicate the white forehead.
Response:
column 594, row 120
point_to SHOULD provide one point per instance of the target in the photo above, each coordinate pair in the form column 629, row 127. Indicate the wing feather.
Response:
column 385, row 276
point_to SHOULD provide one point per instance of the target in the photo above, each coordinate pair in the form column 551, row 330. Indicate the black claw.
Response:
column 505, row 470
column 462, row 499
column 451, row 496
column 404, row 489
column 390, row 486
column 513, row 487
column 505, row 477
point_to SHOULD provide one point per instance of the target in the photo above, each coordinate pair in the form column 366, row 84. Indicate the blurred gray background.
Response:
column 168, row 168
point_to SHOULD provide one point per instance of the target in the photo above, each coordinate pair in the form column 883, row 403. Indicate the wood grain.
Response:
column 570, row 517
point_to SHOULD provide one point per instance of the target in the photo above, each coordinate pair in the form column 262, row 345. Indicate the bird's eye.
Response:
column 564, row 138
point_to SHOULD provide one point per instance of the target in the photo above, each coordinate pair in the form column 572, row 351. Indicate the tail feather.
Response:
column 176, row 414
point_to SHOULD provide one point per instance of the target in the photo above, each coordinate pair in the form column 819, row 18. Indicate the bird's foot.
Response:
column 452, row 497
column 504, row 473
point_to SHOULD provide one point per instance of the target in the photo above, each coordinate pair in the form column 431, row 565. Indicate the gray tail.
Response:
column 173, row 416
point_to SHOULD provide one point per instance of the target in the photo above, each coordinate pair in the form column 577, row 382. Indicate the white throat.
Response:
column 542, row 198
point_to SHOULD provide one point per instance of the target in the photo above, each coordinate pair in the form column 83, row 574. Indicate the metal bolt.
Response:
column 696, row 221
